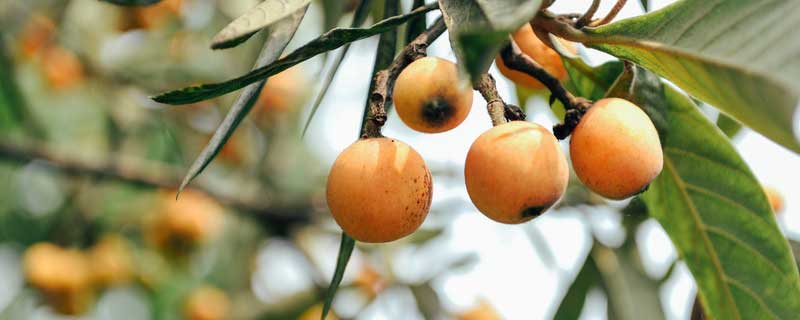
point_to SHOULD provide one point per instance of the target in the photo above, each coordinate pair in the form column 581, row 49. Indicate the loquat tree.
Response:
column 632, row 136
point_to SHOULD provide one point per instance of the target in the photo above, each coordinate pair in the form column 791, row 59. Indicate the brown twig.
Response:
column 611, row 14
column 499, row 111
column 586, row 18
column 575, row 107
column 383, row 82
column 145, row 174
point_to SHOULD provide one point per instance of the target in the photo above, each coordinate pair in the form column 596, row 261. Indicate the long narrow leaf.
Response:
column 361, row 14
column 329, row 41
column 575, row 297
column 417, row 25
column 280, row 34
column 259, row 17
column 345, row 249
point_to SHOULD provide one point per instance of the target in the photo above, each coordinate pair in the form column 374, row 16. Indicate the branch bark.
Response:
column 499, row 111
column 515, row 59
column 611, row 14
column 383, row 82
column 586, row 18
column 147, row 175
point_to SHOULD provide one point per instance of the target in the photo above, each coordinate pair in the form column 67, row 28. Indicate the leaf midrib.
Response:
column 700, row 226
column 601, row 40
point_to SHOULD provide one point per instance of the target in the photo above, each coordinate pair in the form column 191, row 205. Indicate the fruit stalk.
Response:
column 499, row 111
column 515, row 59
column 611, row 14
column 586, row 18
column 383, row 82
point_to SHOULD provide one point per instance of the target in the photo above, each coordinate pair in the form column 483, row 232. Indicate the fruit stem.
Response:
column 383, row 81
column 586, row 18
column 499, row 111
column 515, row 59
column 611, row 14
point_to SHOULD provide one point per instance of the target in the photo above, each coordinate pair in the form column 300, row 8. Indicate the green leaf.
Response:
column 716, row 214
column 328, row 41
column 279, row 35
column 361, row 14
column 572, row 303
column 739, row 56
column 479, row 28
column 417, row 25
column 728, row 125
column 345, row 249
column 132, row 2
column 427, row 300
column 796, row 250
column 12, row 105
column 588, row 82
column 332, row 12
column 631, row 293
column 645, row 5
column 259, row 17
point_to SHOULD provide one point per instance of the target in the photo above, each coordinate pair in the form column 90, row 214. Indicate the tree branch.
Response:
column 383, row 82
column 586, row 18
column 611, row 14
column 515, row 59
column 499, row 111
column 147, row 175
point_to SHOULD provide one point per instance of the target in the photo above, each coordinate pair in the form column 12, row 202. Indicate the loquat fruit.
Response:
column 515, row 171
column 545, row 56
column 775, row 199
column 61, row 67
column 207, row 303
column 615, row 149
column 52, row 268
column 482, row 311
column 370, row 281
column 62, row 275
column 110, row 261
column 154, row 16
column 282, row 92
column 37, row 34
column 379, row 190
column 188, row 221
column 315, row 313
column 429, row 96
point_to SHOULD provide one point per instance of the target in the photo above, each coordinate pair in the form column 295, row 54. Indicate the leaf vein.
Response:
column 727, row 234
column 750, row 292
column 700, row 226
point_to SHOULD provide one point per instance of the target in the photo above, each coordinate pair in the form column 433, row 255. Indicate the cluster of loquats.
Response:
column 69, row 278
column 379, row 189
column 60, row 67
